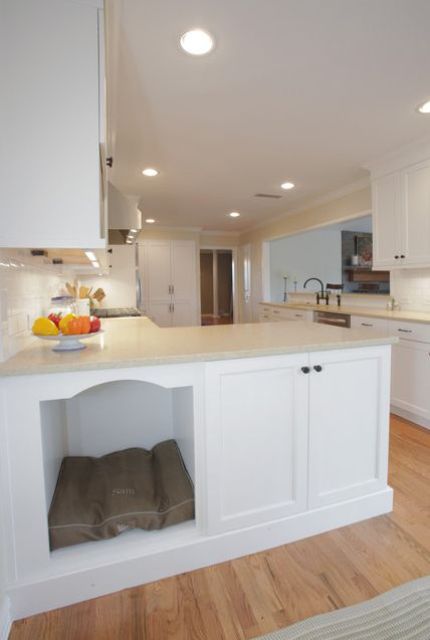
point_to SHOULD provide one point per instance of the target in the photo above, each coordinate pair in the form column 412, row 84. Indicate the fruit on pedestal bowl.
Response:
column 45, row 327
column 95, row 324
column 81, row 324
column 55, row 317
column 64, row 322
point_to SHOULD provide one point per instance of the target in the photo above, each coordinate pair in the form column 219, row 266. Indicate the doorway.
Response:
column 216, row 286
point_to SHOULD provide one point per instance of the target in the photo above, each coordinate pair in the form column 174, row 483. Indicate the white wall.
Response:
column 26, row 287
column 313, row 253
column 120, row 284
column 411, row 288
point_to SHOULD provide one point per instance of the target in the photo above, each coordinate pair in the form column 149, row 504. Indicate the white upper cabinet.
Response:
column 52, row 93
column 401, row 209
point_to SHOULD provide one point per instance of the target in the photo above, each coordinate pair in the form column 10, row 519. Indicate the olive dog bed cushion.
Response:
column 98, row 498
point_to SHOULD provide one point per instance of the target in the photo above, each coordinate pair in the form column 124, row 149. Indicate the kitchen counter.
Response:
column 132, row 342
column 411, row 316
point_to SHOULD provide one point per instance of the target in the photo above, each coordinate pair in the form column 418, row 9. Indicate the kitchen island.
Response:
column 283, row 429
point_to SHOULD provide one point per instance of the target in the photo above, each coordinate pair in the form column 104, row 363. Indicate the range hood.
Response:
column 123, row 212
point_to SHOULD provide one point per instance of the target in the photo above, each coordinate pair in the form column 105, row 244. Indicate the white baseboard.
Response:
column 5, row 619
column 46, row 592
column 412, row 417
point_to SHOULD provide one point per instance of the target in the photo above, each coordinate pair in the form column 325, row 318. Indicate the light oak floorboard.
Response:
column 244, row 598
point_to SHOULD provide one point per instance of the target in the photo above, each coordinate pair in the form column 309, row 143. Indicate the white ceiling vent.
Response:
column 267, row 195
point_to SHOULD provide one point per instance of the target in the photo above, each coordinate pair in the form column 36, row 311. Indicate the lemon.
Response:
column 44, row 327
column 65, row 321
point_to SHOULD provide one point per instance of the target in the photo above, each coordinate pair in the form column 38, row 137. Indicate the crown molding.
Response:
column 411, row 153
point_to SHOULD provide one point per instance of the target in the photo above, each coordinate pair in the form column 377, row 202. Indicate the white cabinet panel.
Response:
column 416, row 203
column 418, row 331
column 386, row 220
column 157, row 271
column 410, row 382
column 256, row 413
column 169, row 281
column 50, row 155
column 374, row 325
column 348, row 424
column 183, row 269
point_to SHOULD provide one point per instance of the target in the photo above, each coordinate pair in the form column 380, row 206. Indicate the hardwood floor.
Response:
column 254, row 595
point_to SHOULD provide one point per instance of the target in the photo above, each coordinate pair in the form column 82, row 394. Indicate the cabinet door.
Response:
column 184, row 314
column 50, row 159
column 156, row 271
column 256, row 440
column 416, row 212
column 386, row 204
column 410, row 382
column 184, row 281
column 161, row 313
column 348, row 424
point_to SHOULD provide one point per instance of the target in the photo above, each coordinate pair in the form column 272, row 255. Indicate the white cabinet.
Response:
column 348, row 424
column 401, row 217
column 410, row 382
column 168, row 277
column 50, row 179
column 256, row 412
column 293, row 433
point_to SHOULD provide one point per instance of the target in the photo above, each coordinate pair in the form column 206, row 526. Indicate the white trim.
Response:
column 321, row 225
column 222, row 233
column 330, row 196
column 411, row 417
column 45, row 592
column 5, row 618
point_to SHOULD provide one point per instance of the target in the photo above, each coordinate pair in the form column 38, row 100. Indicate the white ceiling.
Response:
column 300, row 90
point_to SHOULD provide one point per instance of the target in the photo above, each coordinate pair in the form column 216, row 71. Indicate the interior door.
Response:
column 257, row 430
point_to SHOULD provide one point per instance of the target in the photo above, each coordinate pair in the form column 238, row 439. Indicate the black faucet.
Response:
column 321, row 295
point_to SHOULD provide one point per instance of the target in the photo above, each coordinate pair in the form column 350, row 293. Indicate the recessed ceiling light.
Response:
column 287, row 185
column 150, row 220
column 128, row 241
column 149, row 172
column 424, row 107
column 133, row 230
column 234, row 214
column 197, row 42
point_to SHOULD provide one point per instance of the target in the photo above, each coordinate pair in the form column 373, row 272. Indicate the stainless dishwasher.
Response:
column 335, row 319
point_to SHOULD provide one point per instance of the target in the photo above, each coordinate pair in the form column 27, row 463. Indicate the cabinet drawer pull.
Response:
column 366, row 324
column 405, row 330
column 306, row 370
column 318, row 368
column 298, row 315
column 275, row 311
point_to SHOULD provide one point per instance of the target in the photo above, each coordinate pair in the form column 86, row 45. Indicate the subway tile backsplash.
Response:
column 26, row 287
column 411, row 288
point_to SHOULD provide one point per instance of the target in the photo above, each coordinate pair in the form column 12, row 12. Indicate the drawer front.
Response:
column 265, row 309
column 410, row 330
column 379, row 325
column 264, row 317
column 290, row 314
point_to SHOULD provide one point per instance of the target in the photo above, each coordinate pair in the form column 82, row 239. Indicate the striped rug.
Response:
column 400, row 614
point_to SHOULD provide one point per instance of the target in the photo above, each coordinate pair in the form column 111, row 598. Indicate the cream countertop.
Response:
column 132, row 342
column 411, row 316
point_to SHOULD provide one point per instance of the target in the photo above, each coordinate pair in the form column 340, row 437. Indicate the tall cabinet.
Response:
column 52, row 114
column 168, row 281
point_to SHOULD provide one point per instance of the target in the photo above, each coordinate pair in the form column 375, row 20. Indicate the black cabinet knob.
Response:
column 402, row 256
column 396, row 257
column 318, row 368
column 306, row 370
